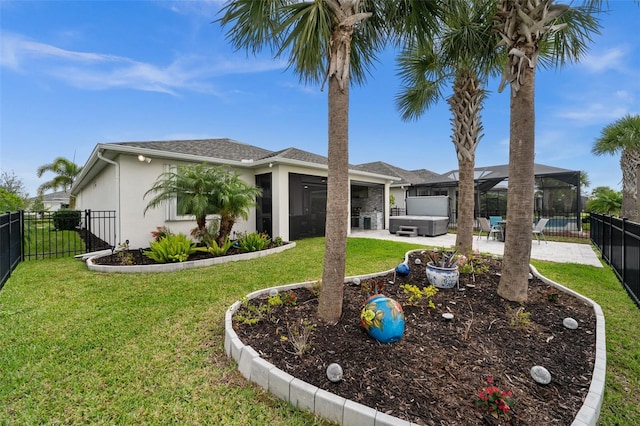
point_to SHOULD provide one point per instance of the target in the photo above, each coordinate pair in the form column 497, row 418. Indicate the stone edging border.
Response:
column 335, row 408
column 179, row 266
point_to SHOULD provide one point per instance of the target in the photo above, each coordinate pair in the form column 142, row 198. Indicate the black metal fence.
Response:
column 619, row 243
column 27, row 235
column 10, row 245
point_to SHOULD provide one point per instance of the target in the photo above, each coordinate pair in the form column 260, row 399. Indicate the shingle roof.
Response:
column 405, row 176
column 298, row 154
column 226, row 149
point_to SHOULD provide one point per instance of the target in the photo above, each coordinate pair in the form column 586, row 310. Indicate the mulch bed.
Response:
column 433, row 375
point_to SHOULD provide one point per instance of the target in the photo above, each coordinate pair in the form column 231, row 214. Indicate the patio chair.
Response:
column 493, row 220
column 537, row 230
column 485, row 226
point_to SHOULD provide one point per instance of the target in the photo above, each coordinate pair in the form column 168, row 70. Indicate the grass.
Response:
column 44, row 241
column 622, row 389
column 85, row 347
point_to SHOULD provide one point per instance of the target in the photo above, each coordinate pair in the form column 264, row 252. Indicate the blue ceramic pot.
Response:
column 383, row 318
column 442, row 277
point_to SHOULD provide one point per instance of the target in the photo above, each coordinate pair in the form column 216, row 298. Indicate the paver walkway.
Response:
column 553, row 251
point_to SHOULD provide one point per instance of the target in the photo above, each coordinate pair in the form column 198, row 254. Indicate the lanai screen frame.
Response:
column 490, row 177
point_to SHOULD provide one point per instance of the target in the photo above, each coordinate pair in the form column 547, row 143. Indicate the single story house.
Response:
column 294, row 192
column 53, row 201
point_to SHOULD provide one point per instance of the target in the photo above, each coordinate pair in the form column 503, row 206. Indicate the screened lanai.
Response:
column 556, row 196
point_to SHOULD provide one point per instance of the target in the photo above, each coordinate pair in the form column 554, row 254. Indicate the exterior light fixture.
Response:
column 144, row 159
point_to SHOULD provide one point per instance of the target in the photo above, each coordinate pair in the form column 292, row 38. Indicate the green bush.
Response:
column 216, row 250
column 253, row 242
column 172, row 248
column 66, row 220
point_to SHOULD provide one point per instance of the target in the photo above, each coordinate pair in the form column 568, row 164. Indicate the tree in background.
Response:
column 463, row 54
column 10, row 202
column 332, row 41
column 13, row 184
column 605, row 200
column 65, row 172
column 531, row 32
column 624, row 136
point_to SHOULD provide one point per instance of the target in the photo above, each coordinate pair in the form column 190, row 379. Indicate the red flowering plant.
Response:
column 496, row 402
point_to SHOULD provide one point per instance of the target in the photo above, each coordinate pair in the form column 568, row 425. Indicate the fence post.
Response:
column 624, row 246
column 22, row 236
column 88, row 231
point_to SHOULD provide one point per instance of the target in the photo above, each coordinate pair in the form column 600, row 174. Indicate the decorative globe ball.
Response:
column 334, row 372
column 402, row 269
column 383, row 318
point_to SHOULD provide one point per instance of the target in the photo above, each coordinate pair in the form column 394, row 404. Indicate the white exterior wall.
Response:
column 400, row 195
column 136, row 179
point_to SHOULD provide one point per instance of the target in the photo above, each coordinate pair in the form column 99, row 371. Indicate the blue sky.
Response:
column 77, row 73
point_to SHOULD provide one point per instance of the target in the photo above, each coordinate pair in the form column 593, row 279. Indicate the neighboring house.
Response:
column 293, row 203
column 52, row 202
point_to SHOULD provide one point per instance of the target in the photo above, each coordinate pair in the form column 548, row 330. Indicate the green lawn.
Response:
column 84, row 347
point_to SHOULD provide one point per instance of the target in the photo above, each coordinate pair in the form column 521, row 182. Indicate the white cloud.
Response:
column 594, row 113
column 96, row 71
column 611, row 59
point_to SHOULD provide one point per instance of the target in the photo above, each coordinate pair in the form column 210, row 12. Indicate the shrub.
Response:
column 253, row 242
column 66, row 220
column 215, row 250
column 172, row 248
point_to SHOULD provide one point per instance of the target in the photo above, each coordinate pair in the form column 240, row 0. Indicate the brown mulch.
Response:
column 137, row 257
column 432, row 376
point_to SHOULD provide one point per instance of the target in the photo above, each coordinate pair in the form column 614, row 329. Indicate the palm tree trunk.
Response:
column 330, row 302
column 466, row 194
column 226, row 225
column 466, row 104
column 629, row 163
column 517, row 248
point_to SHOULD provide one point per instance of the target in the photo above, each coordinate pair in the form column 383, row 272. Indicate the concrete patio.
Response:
column 552, row 251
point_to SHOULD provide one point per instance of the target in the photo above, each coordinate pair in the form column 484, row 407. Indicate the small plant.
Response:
column 216, row 250
column 278, row 242
column 415, row 294
column 474, row 265
column 160, row 233
column 298, row 335
column 248, row 314
column 371, row 287
column 518, row 317
column 494, row 401
column 316, row 288
column 552, row 294
column 443, row 258
column 289, row 298
column 172, row 248
column 125, row 257
column 253, row 241
column 253, row 313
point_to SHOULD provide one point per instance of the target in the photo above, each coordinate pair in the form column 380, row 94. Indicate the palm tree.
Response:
column 464, row 53
column 191, row 186
column 624, row 136
column 527, row 29
column 334, row 40
column 232, row 200
column 605, row 200
column 66, row 172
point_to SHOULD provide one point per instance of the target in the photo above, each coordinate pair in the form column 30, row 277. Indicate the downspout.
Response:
column 117, row 165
